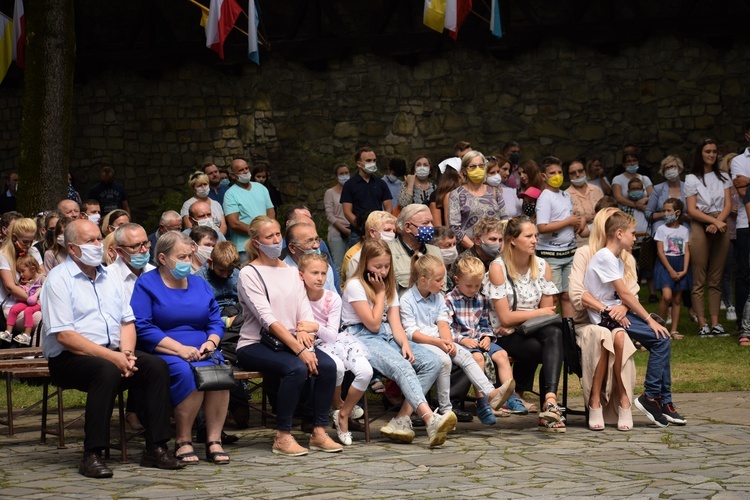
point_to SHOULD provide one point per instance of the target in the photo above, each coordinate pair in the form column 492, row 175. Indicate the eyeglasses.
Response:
column 307, row 242
column 476, row 165
column 576, row 172
column 138, row 246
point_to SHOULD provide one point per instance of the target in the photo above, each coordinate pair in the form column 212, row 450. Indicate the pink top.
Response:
column 288, row 305
column 327, row 312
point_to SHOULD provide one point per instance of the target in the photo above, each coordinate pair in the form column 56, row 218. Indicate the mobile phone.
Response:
column 370, row 275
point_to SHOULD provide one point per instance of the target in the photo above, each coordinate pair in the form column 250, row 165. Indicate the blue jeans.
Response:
column 293, row 374
column 658, row 371
column 384, row 354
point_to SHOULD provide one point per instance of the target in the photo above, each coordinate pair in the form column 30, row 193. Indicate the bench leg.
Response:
column 60, row 419
column 123, row 439
column 45, row 396
column 367, row 418
column 9, row 399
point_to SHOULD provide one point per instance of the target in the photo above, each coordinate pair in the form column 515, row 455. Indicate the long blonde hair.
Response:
column 513, row 230
column 21, row 226
column 372, row 248
column 253, row 230
column 598, row 240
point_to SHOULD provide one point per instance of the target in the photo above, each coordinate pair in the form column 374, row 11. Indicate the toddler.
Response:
column 32, row 278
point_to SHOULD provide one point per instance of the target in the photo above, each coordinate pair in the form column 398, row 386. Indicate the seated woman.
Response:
column 178, row 319
column 608, row 365
column 520, row 289
column 273, row 298
column 57, row 253
column 113, row 220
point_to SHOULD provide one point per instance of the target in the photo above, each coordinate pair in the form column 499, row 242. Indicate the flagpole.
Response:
column 261, row 38
column 204, row 8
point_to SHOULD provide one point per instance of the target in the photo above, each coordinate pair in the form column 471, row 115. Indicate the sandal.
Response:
column 596, row 418
column 676, row 335
column 182, row 456
column 624, row 419
column 211, row 456
column 377, row 386
column 551, row 426
column 552, row 413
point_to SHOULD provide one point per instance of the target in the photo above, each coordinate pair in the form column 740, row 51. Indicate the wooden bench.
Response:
column 252, row 380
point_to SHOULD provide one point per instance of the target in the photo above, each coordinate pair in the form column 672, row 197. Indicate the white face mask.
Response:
column 449, row 255
column 205, row 222
column 422, row 172
column 245, row 178
column 371, row 168
column 91, row 255
column 201, row 192
column 343, row 179
column 61, row 240
column 494, row 180
column 95, row 218
column 203, row 253
column 578, row 182
column 672, row 174
column 386, row 236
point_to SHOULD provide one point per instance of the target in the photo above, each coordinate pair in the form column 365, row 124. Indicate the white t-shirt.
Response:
column 553, row 207
column 216, row 211
column 603, row 270
column 741, row 166
column 709, row 197
column 675, row 239
column 355, row 292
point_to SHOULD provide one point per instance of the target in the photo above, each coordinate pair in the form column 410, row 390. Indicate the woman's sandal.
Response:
column 551, row 419
column 676, row 335
column 211, row 455
column 624, row 419
column 551, row 426
column 596, row 418
column 182, row 456
column 377, row 386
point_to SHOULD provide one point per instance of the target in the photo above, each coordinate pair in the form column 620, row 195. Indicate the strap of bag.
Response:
column 513, row 286
column 265, row 288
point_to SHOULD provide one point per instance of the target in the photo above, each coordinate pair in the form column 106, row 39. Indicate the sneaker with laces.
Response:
column 731, row 314
column 398, row 429
column 718, row 331
column 670, row 413
column 6, row 336
column 437, row 429
column 705, row 332
column 484, row 412
column 722, row 306
column 652, row 410
column 515, row 406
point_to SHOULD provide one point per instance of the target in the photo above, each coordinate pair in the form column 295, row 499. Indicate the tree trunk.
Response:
column 47, row 105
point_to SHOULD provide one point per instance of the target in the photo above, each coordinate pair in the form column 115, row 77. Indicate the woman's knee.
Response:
column 666, row 295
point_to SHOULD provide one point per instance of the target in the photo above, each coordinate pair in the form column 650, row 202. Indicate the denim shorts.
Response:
column 560, row 271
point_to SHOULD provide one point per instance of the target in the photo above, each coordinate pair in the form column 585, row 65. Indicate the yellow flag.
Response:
column 434, row 14
column 204, row 17
column 6, row 44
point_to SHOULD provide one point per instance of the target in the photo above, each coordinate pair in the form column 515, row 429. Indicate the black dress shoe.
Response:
column 93, row 466
column 160, row 457
column 463, row 416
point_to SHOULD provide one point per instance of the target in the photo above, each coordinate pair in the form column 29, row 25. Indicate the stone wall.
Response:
column 557, row 98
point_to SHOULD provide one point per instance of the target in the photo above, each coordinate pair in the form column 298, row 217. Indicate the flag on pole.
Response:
column 6, row 44
column 463, row 7
column 252, row 32
column 451, row 14
column 434, row 14
column 495, row 26
column 19, row 33
column 222, row 15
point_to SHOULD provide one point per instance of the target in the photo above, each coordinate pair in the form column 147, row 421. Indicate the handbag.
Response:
column 267, row 338
column 533, row 325
column 214, row 377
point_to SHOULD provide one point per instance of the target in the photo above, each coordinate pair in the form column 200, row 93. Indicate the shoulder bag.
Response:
column 214, row 377
column 533, row 325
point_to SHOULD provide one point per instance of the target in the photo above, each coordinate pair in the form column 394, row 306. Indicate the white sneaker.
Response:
column 6, row 336
column 722, row 306
column 437, row 429
column 731, row 314
column 399, row 429
column 669, row 321
column 357, row 412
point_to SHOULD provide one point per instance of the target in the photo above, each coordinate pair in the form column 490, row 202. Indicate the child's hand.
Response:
column 406, row 352
column 501, row 331
column 307, row 326
column 376, row 282
column 711, row 229
column 305, row 338
column 675, row 275
column 32, row 300
column 659, row 330
column 445, row 345
column 619, row 314
column 484, row 344
column 470, row 343
column 574, row 220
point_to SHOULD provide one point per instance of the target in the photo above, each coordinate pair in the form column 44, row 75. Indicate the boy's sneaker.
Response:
column 718, row 331
column 515, row 406
column 705, row 332
column 670, row 413
column 399, row 429
column 652, row 410
column 722, row 306
column 357, row 412
column 484, row 412
column 23, row 339
column 731, row 314
column 437, row 429
column 6, row 336
column 504, row 392
column 669, row 321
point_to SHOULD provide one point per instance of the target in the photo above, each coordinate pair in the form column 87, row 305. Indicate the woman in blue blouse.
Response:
column 178, row 319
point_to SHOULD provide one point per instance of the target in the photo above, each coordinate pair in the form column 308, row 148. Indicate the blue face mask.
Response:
column 635, row 195
column 181, row 270
column 670, row 218
column 424, row 234
column 631, row 169
column 270, row 251
column 224, row 182
column 316, row 251
column 139, row 260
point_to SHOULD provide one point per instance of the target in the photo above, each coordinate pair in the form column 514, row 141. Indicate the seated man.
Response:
column 303, row 238
column 199, row 214
column 169, row 221
column 89, row 341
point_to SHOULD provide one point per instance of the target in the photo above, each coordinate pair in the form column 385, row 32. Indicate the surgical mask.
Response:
column 528, row 209
column 224, row 182
column 205, row 222
column 61, row 240
column 91, row 255
column 477, row 175
column 387, row 236
column 203, row 253
column 631, row 169
column 555, row 181
column 95, row 218
column 494, row 180
column 578, row 182
column 424, row 234
column 371, row 168
column 343, row 179
column 139, row 260
column 514, row 158
column 449, row 255
column 315, row 251
column 491, row 249
column 672, row 174
column 670, row 218
column 201, row 192
column 245, row 178
column 422, row 172
column 635, row 195
column 181, row 270
column 391, row 178
column 270, row 251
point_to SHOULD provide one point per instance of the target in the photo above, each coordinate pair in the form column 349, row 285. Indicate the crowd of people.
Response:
column 447, row 274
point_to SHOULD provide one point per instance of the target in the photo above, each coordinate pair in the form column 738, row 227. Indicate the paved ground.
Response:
column 710, row 457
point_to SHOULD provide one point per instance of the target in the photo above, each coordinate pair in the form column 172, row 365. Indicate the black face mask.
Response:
column 528, row 209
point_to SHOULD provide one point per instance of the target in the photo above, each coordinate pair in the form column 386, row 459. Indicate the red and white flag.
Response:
column 19, row 33
column 222, row 15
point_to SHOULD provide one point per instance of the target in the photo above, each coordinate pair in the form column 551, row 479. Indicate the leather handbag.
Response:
column 267, row 338
column 533, row 325
column 214, row 377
